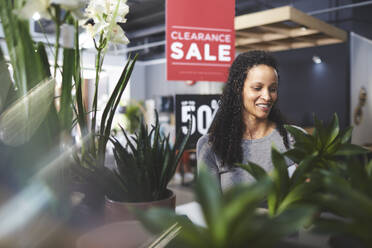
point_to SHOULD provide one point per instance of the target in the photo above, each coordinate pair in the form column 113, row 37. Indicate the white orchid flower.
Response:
column 118, row 35
column 103, row 17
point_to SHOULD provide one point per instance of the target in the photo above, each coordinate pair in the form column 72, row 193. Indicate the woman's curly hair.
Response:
column 227, row 129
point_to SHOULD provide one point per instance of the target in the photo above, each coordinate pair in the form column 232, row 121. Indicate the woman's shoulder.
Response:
column 204, row 150
column 202, row 141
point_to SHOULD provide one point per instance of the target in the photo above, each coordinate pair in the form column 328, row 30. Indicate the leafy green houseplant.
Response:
column 286, row 190
column 30, row 97
column 349, row 200
column 232, row 219
column 30, row 65
column 143, row 169
column 148, row 165
column 328, row 145
column 21, row 98
column 325, row 149
column 331, row 177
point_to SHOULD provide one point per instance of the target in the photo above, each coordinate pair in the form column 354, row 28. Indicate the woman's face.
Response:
column 260, row 91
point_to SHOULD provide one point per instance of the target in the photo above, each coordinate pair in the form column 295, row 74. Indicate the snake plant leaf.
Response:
column 149, row 166
column 111, row 107
column 255, row 170
column 350, row 149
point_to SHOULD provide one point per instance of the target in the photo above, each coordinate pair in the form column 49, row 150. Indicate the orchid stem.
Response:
column 99, row 63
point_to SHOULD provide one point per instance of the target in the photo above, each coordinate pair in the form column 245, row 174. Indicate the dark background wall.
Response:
column 306, row 88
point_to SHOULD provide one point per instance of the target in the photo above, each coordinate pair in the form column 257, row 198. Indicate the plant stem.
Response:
column 58, row 33
column 95, row 99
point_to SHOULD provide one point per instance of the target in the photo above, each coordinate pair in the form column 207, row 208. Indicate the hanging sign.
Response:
column 200, row 110
column 200, row 39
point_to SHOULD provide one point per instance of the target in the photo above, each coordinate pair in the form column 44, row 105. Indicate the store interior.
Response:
column 318, row 77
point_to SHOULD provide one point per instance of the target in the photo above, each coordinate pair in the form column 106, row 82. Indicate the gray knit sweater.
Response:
column 257, row 151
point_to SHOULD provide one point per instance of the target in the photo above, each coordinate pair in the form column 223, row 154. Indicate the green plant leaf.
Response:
column 111, row 106
column 208, row 194
column 281, row 167
column 346, row 137
column 295, row 155
column 32, row 109
column 304, row 141
column 332, row 131
column 319, row 133
column 350, row 149
column 65, row 113
column 158, row 220
column 6, row 85
column 297, row 194
column 243, row 202
column 255, row 170
column 304, row 167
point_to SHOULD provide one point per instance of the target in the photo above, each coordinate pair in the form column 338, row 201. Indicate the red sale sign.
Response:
column 200, row 39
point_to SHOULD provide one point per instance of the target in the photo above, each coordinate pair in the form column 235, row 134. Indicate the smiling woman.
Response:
column 247, row 123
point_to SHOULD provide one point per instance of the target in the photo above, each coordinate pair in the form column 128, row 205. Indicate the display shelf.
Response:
column 284, row 28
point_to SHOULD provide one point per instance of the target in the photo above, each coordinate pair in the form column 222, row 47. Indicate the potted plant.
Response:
column 231, row 219
column 143, row 170
column 325, row 149
column 33, row 79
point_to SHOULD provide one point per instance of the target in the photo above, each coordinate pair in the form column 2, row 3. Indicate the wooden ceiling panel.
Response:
column 283, row 28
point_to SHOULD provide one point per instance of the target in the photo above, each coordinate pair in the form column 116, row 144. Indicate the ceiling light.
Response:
column 317, row 59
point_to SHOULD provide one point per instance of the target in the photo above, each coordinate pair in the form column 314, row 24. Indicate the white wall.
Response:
column 361, row 76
